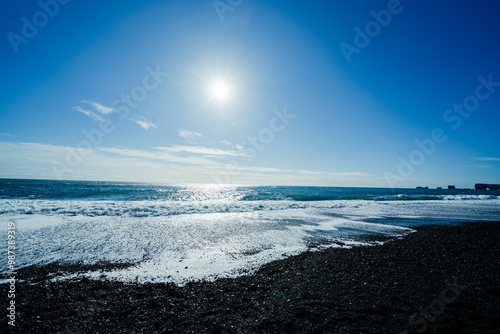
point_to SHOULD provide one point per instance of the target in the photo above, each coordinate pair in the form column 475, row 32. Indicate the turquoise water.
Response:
column 119, row 191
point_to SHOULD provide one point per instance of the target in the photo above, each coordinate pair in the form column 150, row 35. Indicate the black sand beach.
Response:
column 442, row 279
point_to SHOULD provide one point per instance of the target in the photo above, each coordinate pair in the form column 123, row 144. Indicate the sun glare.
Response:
column 220, row 91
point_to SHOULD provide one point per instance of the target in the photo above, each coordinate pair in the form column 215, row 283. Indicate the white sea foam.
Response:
column 152, row 208
column 205, row 240
column 469, row 197
column 185, row 247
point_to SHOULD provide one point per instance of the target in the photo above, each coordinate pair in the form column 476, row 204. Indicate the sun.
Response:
column 220, row 91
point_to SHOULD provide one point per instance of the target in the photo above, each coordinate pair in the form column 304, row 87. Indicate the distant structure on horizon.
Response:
column 477, row 186
column 484, row 186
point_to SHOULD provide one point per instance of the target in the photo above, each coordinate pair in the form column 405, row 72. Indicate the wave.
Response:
column 137, row 208
column 470, row 197
column 158, row 208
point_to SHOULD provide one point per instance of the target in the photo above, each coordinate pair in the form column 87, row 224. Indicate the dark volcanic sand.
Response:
column 373, row 289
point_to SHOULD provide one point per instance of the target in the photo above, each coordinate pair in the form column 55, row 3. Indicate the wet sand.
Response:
column 442, row 279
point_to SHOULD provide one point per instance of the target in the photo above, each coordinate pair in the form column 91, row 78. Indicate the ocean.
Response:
column 203, row 232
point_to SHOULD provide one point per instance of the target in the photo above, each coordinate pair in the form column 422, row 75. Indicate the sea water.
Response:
column 204, row 232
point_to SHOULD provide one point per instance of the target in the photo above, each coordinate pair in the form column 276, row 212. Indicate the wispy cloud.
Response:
column 487, row 159
column 99, row 107
column 267, row 169
column 190, row 136
column 89, row 113
column 352, row 174
column 309, row 172
column 144, row 123
column 5, row 134
column 157, row 154
column 38, row 160
column 203, row 150
column 228, row 143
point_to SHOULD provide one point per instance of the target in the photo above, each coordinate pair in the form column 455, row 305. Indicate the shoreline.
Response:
column 439, row 279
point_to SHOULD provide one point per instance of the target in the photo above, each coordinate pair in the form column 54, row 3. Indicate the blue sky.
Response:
column 322, row 93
